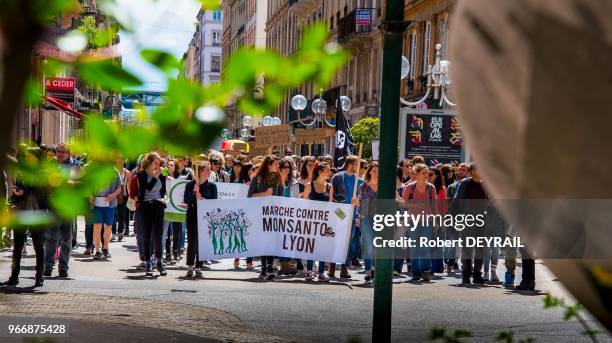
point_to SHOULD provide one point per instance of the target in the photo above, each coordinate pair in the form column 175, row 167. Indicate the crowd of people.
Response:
column 137, row 197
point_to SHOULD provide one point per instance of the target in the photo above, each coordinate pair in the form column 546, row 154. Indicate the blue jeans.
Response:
column 368, row 235
column 310, row 265
column 437, row 255
column 491, row 257
column 60, row 234
column 182, row 239
column 354, row 246
column 420, row 259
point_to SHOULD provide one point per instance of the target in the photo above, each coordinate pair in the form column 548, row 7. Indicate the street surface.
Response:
column 112, row 298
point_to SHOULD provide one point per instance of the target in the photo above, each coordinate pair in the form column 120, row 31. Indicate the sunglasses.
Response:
column 215, row 163
column 285, row 167
column 236, row 164
column 431, row 174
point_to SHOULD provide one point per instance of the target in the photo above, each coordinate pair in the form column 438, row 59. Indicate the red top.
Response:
column 133, row 189
column 442, row 202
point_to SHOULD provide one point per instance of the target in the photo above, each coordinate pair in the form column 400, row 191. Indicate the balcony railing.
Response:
column 359, row 21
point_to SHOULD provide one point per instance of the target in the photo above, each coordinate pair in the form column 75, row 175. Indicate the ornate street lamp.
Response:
column 438, row 79
column 247, row 123
column 319, row 108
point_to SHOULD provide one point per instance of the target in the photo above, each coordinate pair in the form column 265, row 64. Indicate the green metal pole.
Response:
column 393, row 27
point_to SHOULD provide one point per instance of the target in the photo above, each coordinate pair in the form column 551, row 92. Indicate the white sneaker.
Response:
column 198, row 272
column 396, row 273
column 309, row 275
column 113, row 237
column 323, row 278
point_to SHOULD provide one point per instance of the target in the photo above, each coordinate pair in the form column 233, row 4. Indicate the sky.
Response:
column 160, row 24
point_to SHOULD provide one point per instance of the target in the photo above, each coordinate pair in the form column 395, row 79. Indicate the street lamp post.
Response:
column 319, row 108
column 438, row 80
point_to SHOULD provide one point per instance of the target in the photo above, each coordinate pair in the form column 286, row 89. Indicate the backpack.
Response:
column 427, row 189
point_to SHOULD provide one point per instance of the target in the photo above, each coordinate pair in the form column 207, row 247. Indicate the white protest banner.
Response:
column 273, row 226
column 231, row 190
column 175, row 189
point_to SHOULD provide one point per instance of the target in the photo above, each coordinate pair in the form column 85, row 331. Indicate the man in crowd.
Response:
column 62, row 232
column 471, row 198
column 342, row 191
column 462, row 173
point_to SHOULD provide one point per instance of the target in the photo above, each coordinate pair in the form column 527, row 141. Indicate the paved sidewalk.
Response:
column 137, row 316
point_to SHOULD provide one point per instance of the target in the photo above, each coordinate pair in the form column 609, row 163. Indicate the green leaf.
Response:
column 315, row 37
column 505, row 337
column 33, row 218
column 107, row 75
column 133, row 141
column 460, row 333
column 572, row 311
column 161, row 59
column 69, row 203
column 210, row 5
column 551, row 301
column 435, row 333
column 101, row 132
column 33, row 95
column 98, row 175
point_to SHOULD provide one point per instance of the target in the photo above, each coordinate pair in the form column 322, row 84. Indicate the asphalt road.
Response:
column 323, row 312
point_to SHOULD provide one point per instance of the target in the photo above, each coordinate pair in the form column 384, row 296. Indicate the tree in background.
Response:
column 365, row 131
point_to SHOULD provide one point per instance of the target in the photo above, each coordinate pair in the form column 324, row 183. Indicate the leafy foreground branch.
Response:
column 185, row 124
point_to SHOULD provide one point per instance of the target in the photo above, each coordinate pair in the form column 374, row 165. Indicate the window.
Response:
column 426, row 44
column 216, row 38
column 215, row 63
column 217, row 15
column 413, row 55
column 443, row 25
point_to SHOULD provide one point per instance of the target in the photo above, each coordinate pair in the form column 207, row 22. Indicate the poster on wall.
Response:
column 435, row 135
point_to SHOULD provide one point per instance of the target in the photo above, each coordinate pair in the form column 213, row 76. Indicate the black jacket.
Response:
column 143, row 185
column 208, row 190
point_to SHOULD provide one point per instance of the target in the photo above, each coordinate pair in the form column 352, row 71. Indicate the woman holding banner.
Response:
column 205, row 190
column 267, row 182
column 308, row 164
column 318, row 190
column 292, row 190
column 246, row 171
column 365, row 213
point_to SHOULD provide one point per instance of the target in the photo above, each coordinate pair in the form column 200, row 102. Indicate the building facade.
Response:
column 49, row 123
column 354, row 26
column 429, row 25
column 203, row 56
column 243, row 26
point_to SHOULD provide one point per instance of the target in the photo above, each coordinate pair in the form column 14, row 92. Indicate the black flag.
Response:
column 344, row 140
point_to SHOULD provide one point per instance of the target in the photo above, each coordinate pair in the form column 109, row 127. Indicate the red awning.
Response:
column 63, row 106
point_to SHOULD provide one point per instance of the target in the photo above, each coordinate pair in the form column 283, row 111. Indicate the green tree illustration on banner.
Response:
column 227, row 230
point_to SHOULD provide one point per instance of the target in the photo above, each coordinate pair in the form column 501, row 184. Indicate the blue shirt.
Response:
column 349, row 183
